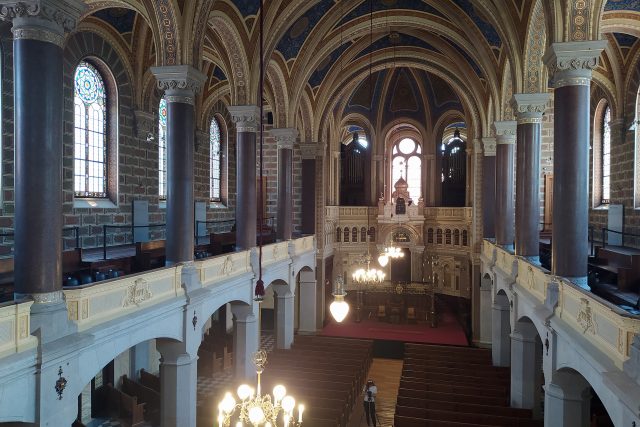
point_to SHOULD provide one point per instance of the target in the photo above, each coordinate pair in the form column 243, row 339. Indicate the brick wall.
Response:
column 137, row 158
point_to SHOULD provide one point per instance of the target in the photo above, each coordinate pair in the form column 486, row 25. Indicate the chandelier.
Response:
column 368, row 276
column 390, row 252
column 256, row 409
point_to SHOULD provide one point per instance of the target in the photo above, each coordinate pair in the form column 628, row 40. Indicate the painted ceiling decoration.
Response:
column 247, row 7
column 120, row 18
column 327, row 63
column 619, row 5
column 385, row 5
column 294, row 38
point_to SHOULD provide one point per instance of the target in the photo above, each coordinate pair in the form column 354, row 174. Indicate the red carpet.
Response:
column 448, row 332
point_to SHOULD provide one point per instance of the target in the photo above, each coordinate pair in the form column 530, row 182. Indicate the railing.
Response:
column 105, row 227
column 623, row 233
column 76, row 234
column 603, row 324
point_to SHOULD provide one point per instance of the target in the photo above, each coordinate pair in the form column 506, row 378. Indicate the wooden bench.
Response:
column 149, row 397
column 111, row 402
column 221, row 243
column 150, row 255
column 454, row 397
column 149, row 380
column 469, row 408
column 402, row 421
column 482, row 419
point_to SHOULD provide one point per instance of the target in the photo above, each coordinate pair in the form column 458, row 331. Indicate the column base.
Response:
column 509, row 247
column 580, row 281
column 49, row 316
column 533, row 259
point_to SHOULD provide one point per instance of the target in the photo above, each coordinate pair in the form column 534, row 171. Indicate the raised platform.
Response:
column 448, row 332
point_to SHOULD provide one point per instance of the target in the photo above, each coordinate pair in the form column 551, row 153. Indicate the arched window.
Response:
column 430, row 235
column 354, row 235
column 372, row 234
column 363, row 234
column 90, row 137
column 162, row 149
column 406, row 163
column 215, row 160
column 606, row 156
column 454, row 171
column 338, row 234
column 346, row 234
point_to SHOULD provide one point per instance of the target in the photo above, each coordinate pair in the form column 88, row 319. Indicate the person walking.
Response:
column 370, row 391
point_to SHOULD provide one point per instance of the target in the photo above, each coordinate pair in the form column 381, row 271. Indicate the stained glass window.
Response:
column 215, row 160
column 162, row 149
column 407, row 163
column 606, row 156
column 90, row 121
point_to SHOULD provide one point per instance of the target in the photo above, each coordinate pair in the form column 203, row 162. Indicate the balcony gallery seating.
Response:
column 455, row 386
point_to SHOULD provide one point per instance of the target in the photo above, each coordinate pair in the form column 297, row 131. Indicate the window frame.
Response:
column 162, row 152
column 597, row 198
column 111, row 137
column 417, row 153
column 212, row 160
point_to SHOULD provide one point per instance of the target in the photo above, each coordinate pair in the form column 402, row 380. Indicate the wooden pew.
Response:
column 469, row 408
column 402, row 421
column 149, row 397
column 483, row 419
column 454, row 397
column 150, row 255
column 149, row 380
column 221, row 243
column 111, row 402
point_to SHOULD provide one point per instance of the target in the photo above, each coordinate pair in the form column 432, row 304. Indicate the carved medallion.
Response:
column 137, row 293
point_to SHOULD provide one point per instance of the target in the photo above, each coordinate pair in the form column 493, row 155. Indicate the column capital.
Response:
column 42, row 20
column 572, row 63
column 336, row 154
column 505, row 131
column 245, row 117
column 311, row 150
column 180, row 83
column 529, row 107
column 285, row 137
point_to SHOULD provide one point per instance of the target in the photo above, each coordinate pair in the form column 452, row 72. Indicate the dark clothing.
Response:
column 370, row 410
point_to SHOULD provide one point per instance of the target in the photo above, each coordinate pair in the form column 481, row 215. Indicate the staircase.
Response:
column 455, row 386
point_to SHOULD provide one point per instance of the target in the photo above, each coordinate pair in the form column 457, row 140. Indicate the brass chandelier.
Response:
column 257, row 409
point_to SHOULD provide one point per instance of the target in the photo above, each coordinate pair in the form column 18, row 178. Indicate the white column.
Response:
column 245, row 340
column 523, row 366
column 486, row 311
column 178, row 385
column 284, row 316
column 500, row 330
column 567, row 405
column 307, row 298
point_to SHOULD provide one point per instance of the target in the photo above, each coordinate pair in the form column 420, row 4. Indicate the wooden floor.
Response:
column 386, row 374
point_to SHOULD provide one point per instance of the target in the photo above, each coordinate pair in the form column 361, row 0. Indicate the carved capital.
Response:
column 180, row 83
column 312, row 150
column 529, row 107
column 285, row 137
column 245, row 117
column 505, row 131
column 43, row 20
column 489, row 146
column 144, row 125
column 572, row 63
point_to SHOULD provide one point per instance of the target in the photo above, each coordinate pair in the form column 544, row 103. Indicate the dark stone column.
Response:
column 529, row 109
column 39, row 32
column 247, row 120
column 505, row 140
column 180, row 83
column 308, row 202
column 489, row 187
column 285, row 139
column 570, row 66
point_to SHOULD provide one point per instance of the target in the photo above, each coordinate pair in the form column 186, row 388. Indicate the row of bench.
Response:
column 455, row 386
column 134, row 403
column 324, row 373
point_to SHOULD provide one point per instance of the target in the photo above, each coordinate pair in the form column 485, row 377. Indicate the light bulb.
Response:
column 279, row 392
column 383, row 260
column 288, row 403
column 244, row 392
column 228, row 403
column 339, row 308
column 300, row 411
column 256, row 415
column 239, row 424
